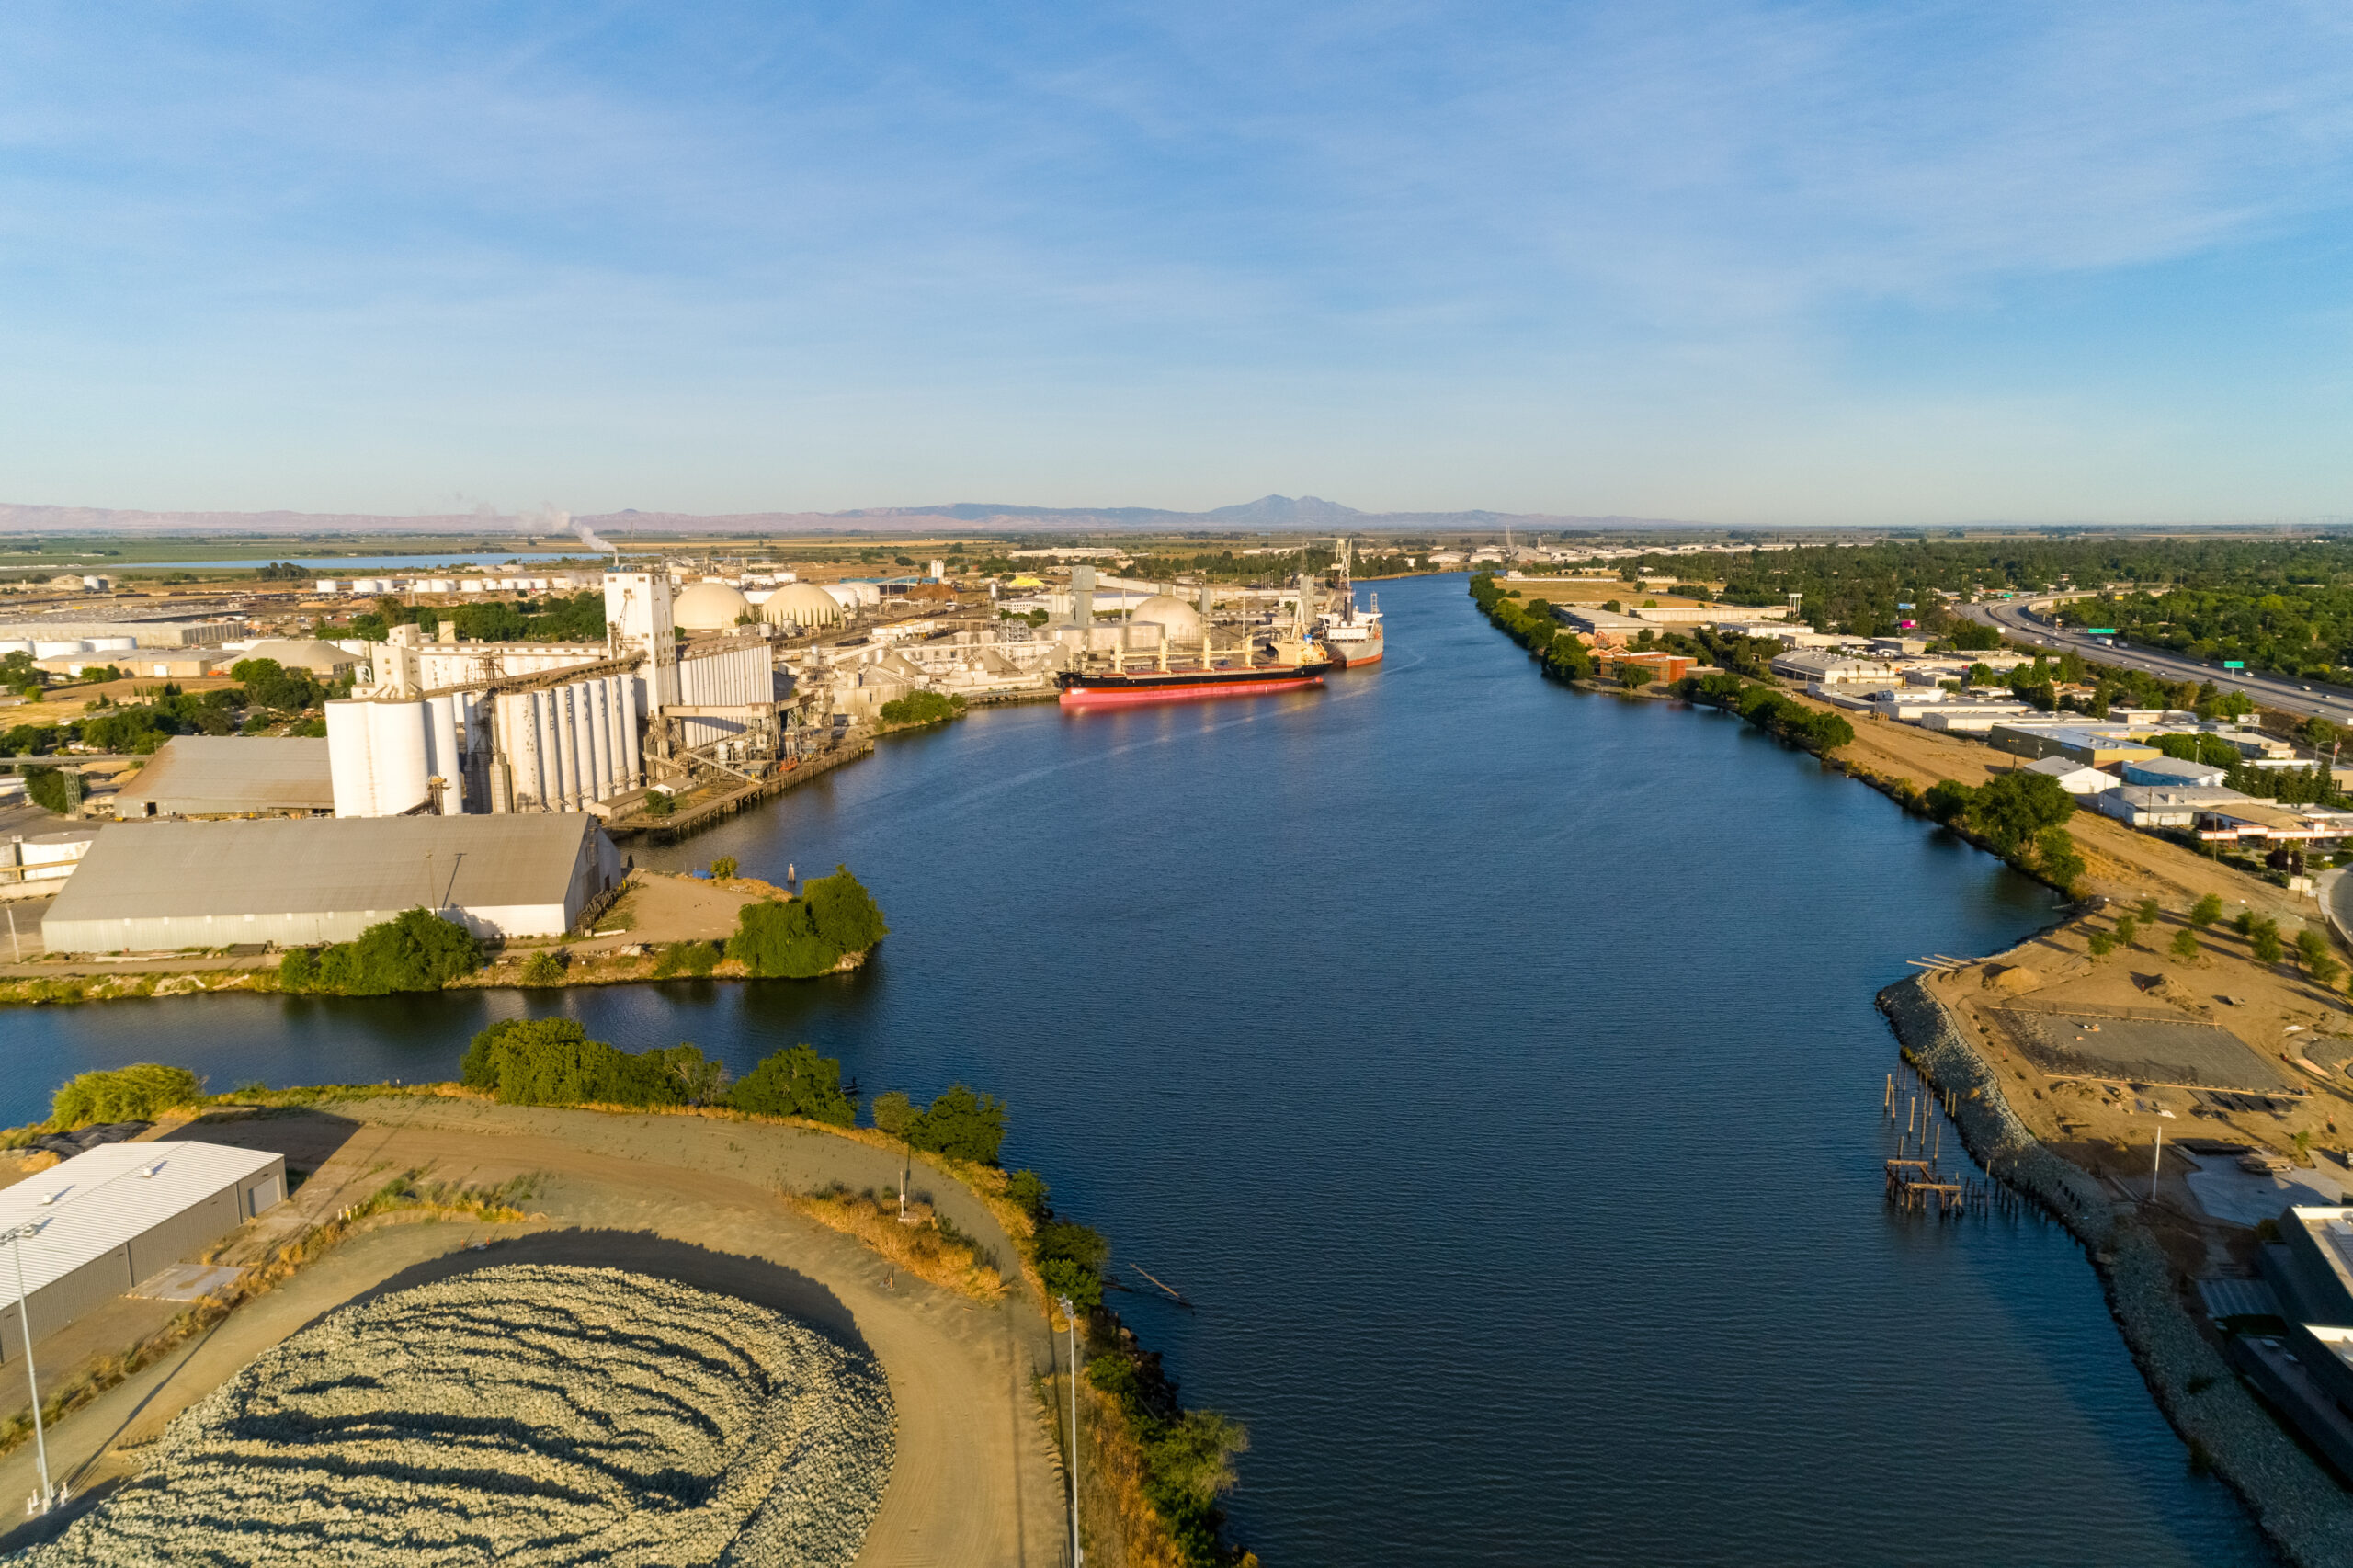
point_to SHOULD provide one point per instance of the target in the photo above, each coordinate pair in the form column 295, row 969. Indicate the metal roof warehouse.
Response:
column 296, row 881
column 120, row 1214
column 196, row 775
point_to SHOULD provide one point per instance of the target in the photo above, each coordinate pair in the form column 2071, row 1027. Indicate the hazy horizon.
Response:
column 1748, row 263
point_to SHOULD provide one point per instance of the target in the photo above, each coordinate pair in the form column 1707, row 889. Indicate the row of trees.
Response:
column 267, row 697
column 562, row 617
column 1532, row 626
column 1769, row 708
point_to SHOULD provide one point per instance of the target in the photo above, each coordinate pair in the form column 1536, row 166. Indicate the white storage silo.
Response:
column 50, row 650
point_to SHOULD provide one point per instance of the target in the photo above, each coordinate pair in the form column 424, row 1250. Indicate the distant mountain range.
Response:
column 1307, row 514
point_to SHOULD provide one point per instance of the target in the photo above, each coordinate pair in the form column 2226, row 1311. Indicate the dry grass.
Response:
column 925, row 1245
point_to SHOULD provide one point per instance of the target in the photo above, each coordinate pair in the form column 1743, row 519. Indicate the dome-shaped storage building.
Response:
column 801, row 604
column 1180, row 621
column 709, row 606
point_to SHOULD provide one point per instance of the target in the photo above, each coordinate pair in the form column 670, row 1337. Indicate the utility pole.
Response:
column 2156, row 1162
column 24, row 1320
column 1070, row 1316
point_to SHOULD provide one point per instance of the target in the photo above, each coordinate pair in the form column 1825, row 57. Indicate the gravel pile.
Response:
column 525, row 1415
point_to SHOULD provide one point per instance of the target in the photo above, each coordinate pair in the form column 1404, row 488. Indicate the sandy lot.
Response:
column 975, row 1480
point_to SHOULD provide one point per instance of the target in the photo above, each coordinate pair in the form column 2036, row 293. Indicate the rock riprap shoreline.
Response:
column 527, row 1414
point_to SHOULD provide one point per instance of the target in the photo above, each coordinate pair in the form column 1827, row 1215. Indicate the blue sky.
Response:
column 1757, row 263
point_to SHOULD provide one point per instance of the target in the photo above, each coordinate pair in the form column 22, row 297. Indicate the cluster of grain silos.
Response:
column 564, row 747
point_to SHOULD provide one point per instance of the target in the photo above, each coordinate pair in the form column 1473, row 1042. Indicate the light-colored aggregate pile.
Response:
column 525, row 1415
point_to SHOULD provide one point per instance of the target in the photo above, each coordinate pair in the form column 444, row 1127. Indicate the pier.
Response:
column 670, row 829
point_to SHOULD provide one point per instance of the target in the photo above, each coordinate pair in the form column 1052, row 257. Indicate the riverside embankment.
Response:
column 1387, row 1007
column 2303, row 1508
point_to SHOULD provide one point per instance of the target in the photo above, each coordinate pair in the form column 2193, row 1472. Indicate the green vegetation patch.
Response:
column 140, row 1091
column 415, row 951
column 808, row 936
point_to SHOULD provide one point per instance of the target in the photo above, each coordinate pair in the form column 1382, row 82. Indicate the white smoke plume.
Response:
column 547, row 519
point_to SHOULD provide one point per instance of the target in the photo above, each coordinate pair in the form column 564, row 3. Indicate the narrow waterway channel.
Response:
column 1495, row 1065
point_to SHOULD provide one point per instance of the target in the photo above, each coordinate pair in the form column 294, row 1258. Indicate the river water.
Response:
column 1495, row 1066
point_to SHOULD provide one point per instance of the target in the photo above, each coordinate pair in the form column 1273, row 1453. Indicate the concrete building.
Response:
column 219, row 775
column 143, row 633
column 299, row 882
column 1971, row 718
column 2146, row 806
column 2092, row 746
column 2073, row 776
column 1817, row 666
column 117, row 1216
column 2171, row 770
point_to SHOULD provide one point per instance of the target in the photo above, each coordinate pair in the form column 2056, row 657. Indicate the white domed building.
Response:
column 1178, row 622
column 801, row 605
column 709, row 606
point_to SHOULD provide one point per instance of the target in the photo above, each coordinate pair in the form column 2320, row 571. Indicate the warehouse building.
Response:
column 298, row 882
column 111, row 1219
column 222, row 776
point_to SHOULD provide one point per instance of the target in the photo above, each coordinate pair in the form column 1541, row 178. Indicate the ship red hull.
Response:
column 1356, row 661
column 1127, row 695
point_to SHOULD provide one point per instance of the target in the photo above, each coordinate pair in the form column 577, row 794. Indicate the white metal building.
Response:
column 117, row 1215
column 296, row 881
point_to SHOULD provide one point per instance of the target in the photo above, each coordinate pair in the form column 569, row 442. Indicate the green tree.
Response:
column 845, row 913
column 2100, row 943
column 780, row 940
column 961, row 1125
column 2013, row 807
column 2185, row 945
column 2055, row 857
column 554, row 1061
column 2312, row 952
column 1633, row 678
column 2206, row 912
column 1947, row 801
column 2149, row 911
column 796, row 1082
column 138, row 1093
column 893, row 1113
column 546, row 967
column 1070, row 1258
column 1029, row 1192
column 297, row 970
column 2127, row 928
column 415, row 951
column 1194, row 1454
column 723, row 869
column 2268, row 947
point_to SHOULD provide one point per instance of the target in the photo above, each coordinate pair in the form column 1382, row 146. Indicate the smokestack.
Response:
column 1082, row 594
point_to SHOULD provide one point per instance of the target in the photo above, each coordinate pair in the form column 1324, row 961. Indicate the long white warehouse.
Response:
column 297, row 881
column 120, row 1214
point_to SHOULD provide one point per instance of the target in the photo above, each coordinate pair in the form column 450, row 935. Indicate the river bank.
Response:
column 2146, row 1259
column 1426, row 1105
column 2300, row 1506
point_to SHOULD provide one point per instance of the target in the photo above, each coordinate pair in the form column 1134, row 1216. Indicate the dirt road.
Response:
column 975, row 1480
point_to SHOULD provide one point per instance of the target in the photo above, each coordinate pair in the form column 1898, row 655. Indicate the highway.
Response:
column 2021, row 620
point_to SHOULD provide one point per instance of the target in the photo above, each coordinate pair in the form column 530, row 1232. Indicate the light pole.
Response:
column 24, row 1320
column 1070, row 1316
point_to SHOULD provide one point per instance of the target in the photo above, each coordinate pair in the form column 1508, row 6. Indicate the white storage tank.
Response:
column 47, row 649
column 113, row 644
column 376, row 753
column 16, row 645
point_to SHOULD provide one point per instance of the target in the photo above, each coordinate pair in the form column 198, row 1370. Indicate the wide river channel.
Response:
column 1495, row 1066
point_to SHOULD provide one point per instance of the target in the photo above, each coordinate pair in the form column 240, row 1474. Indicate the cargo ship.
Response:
column 1293, row 663
column 1091, row 688
column 1351, row 637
